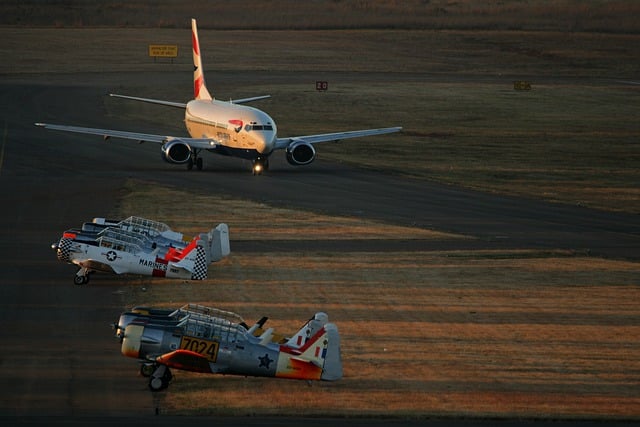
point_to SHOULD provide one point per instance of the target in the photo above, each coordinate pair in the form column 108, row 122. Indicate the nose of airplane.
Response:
column 62, row 249
column 267, row 142
column 131, row 341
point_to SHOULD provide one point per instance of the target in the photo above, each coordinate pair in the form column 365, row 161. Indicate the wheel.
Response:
column 156, row 384
column 160, row 378
column 80, row 280
column 199, row 163
column 146, row 369
column 190, row 164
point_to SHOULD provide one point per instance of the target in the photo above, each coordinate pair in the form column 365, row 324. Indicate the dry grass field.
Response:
column 488, row 333
column 560, row 15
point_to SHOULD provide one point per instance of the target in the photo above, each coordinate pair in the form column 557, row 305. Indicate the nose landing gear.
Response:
column 82, row 276
column 260, row 165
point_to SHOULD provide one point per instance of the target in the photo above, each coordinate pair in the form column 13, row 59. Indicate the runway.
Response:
column 59, row 357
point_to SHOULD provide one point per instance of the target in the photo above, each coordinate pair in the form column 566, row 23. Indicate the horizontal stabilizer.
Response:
column 253, row 98
column 151, row 101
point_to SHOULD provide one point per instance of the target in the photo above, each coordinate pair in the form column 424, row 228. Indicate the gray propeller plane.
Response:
column 207, row 340
column 140, row 246
column 224, row 127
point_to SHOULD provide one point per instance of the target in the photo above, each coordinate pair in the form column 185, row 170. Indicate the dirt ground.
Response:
column 517, row 333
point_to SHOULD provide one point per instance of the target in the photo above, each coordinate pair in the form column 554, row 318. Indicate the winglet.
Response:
column 199, row 87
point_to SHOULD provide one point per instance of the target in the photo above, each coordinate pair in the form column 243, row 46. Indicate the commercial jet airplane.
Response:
column 224, row 127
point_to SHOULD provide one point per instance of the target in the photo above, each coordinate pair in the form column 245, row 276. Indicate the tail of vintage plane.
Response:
column 202, row 251
column 199, row 87
column 318, row 359
column 193, row 258
column 309, row 329
column 220, row 246
column 313, row 352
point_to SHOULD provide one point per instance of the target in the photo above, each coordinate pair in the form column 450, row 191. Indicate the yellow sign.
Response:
column 521, row 85
column 163, row 50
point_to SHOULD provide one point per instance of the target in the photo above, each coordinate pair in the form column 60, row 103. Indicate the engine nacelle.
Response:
column 300, row 153
column 176, row 152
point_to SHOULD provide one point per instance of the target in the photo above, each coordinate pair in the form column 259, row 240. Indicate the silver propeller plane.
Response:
column 140, row 246
column 207, row 340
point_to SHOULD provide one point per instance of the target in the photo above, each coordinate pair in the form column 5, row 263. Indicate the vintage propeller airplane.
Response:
column 226, row 128
column 201, row 339
column 140, row 246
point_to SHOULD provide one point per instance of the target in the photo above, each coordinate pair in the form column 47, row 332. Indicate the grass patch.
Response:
column 249, row 220
column 563, row 15
column 487, row 333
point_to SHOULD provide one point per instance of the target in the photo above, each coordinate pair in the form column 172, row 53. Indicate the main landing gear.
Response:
column 82, row 277
column 159, row 375
column 197, row 161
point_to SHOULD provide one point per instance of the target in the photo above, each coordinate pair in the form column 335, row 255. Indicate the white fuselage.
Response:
column 237, row 127
column 124, row 262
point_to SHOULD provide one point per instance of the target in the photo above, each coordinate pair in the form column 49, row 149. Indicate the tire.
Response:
column 156, row 384
column 146, row 370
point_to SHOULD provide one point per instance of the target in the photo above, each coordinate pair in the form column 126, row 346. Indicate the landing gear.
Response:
column 160, row 378
column 260, row 165
column 147, row 369
column 81, row 277
column 194, row 159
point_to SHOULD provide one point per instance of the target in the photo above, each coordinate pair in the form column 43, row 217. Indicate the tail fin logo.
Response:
column 198, row 83
column 199, row 87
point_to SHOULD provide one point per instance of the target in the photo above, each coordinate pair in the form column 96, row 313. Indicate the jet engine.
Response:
column 176, row 152
column 300, row 153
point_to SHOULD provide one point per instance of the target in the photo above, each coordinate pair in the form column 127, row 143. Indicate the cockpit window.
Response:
column 249, row 128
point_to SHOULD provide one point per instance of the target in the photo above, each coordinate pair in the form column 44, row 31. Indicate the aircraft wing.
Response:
column 325, row 137
column 97, row 265
column 185, row 359
column 203, row 143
